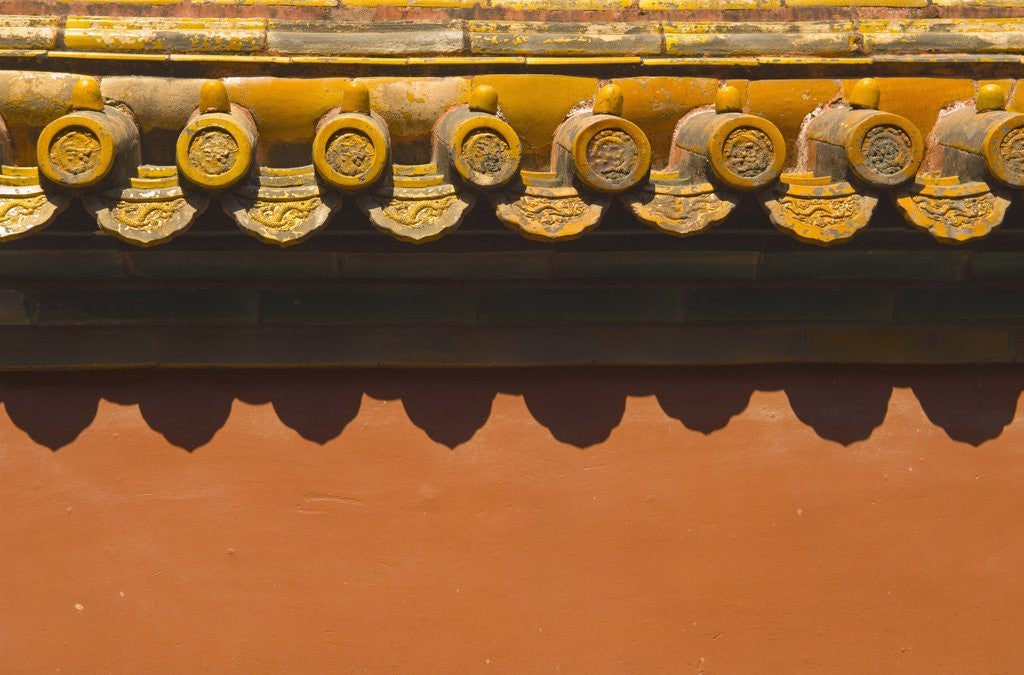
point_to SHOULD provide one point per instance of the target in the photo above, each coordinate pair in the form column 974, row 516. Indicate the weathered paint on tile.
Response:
column 165, row 34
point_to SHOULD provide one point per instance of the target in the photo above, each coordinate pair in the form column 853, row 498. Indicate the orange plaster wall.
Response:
column 692, row 521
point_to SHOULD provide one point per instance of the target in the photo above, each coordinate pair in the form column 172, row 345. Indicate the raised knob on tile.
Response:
column 610, row 101
column 484, row 98
column 865, row 94
column 728, row 100
column 483, row 148
column 608, row 153
column 990, row 97
column 215, row 149
column 80, row 149
column 352, row 143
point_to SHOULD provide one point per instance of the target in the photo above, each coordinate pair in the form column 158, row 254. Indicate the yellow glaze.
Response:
column 609, row 100
column 229, row 166
column 370, row 167
column 484, row 98
column 93, row 154
column 594, row 179
column 865, row 94
column 355, row 97
column 855, row 154
column 728, row 99
column 716, row 145
column 213, row 97
column 497, row 126
column 85, row 95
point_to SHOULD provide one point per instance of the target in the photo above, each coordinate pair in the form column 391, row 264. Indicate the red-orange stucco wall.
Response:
column 692, row 521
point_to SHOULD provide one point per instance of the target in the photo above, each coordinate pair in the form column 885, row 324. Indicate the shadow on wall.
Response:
column 580, row 407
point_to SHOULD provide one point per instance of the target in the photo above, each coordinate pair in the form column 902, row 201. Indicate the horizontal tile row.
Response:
column 171, row 37
column 519, row 305
column 819, row 266
column 957, row 186
column 619, row 7
column 33, row 348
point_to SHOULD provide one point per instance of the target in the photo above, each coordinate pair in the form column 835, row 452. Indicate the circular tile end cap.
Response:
column 214, row 151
